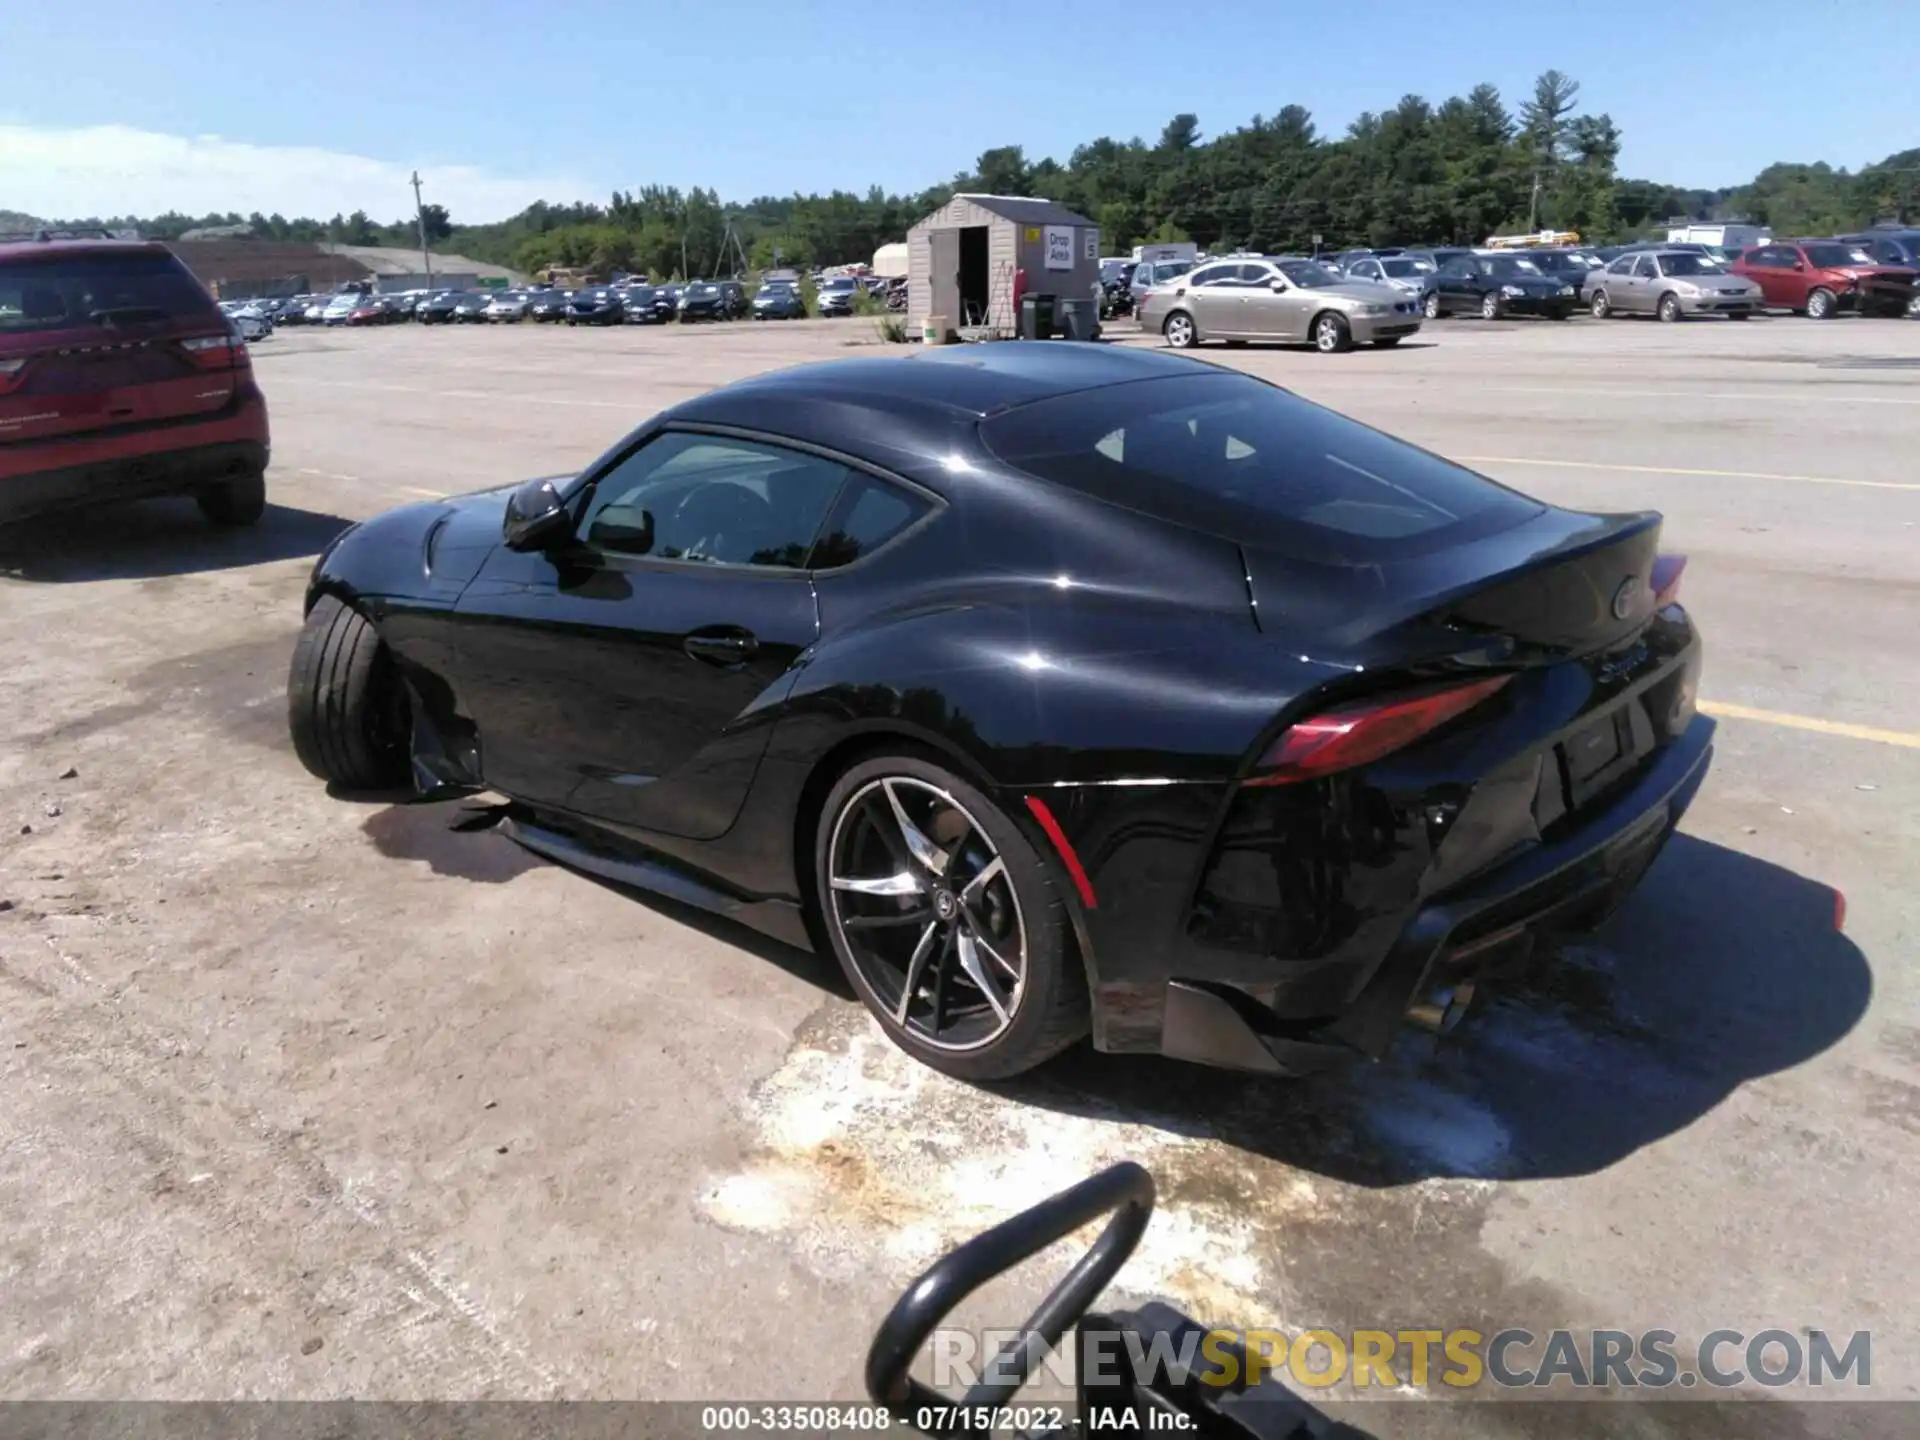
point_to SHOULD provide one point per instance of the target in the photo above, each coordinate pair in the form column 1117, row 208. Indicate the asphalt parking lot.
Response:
column 312, row 1098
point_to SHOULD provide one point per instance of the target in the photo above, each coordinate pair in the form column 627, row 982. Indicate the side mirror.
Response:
column 1277, row 285
column 535, row 517
column 1799, row 264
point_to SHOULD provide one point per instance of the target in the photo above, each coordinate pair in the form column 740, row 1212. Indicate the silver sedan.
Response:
column 1672, row 284
column 1288, row 300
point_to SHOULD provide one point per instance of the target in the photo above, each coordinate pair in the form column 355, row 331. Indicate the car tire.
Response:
column 346, row 707
column 240, row 500
column 1491, row 306
column 1820, row 304
column 1180, row 331
column 1601, row 307
column 1019, row 911
column 1431, row 307
column 1669, row 309
column 1331, row 333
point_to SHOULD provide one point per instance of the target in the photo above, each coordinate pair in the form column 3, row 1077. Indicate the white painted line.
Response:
column 1680, row 470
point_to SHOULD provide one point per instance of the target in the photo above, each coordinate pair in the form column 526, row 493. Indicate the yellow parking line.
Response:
column 1721, row 709
column 1677, row 470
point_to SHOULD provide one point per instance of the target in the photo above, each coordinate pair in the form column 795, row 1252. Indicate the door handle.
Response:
column 721, row 647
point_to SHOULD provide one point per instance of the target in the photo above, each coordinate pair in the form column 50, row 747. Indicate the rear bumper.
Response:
column 170, row 459
column 171, row 472
column 1567, row 886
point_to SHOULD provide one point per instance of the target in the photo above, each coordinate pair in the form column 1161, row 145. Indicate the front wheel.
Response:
column 346, row 707
column 1820, row 305
column 1179, row 331
column 1669, row 310
column 241, row 500
column 1490, row 306
column 1331, row 334
column 946, row 921
column 1432, row 306
column 1601, row 306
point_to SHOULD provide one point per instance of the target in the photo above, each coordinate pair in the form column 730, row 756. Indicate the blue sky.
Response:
column 325, row 106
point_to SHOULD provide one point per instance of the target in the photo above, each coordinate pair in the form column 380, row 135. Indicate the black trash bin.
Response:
column 1079, row 319
column 1036, row 317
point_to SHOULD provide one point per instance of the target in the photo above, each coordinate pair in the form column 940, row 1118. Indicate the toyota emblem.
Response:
column 1623, row 597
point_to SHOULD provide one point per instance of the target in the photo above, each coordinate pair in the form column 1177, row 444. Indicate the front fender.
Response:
column 424, row 554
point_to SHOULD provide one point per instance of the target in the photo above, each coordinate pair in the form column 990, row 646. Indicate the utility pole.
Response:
column 1533, row 205
column 420, row 213
column 683, row 256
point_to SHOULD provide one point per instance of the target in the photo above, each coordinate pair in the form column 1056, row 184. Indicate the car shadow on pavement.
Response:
column 1721, row 969
column 461, row 839
column 151, row 538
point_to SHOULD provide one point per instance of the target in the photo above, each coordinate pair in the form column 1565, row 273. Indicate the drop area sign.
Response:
column 1059, row 247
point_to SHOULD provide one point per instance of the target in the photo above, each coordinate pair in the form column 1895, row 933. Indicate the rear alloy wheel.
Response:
column 1491, row 307
column 1432, row 306
column 1820, row 305
column 1179, row 331
column 1331, row 334
column 945, row 921
column 1669, row 309
column 346, row 707
column 240, row 500
column 1601, row 306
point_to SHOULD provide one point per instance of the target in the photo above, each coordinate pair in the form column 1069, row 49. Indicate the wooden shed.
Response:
column 961, row 260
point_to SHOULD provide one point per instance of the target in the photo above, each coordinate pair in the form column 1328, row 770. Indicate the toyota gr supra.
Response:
column 1057, row 689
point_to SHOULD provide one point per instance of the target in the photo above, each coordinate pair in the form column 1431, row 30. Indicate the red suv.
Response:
column 1820, row 278
column 119, row 377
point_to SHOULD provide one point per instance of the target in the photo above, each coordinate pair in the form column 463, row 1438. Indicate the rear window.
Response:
column 76, row 290
column 1235, row 457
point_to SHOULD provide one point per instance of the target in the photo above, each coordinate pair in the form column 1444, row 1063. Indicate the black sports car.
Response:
column 1057, row 688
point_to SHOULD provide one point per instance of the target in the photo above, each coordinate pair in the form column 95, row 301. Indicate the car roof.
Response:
column 976, row 379
column 38, row 249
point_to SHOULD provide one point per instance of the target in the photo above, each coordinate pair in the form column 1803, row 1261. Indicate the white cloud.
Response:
column 117, row 170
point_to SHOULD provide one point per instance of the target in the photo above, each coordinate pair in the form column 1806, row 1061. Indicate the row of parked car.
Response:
column 630, row 302
column 1342, row 299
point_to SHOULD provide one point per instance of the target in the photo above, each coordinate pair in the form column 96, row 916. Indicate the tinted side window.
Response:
column 1237, row 457
column 1622, row 266
column 713, row 500
column 869, row 513
column 1212, row 274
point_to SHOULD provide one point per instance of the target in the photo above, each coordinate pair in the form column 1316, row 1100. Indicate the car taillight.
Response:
column 1667, row 570
column 215, row 352
column 1363, row 732
column 12, row 372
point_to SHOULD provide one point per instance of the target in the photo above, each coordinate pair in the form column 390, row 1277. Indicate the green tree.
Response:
column 1543, row 121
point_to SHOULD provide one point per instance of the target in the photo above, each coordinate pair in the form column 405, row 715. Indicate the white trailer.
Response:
column 1179, row 250
column 1725, row 237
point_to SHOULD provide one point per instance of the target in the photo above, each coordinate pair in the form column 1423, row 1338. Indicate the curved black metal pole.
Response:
column 1124, row 1189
